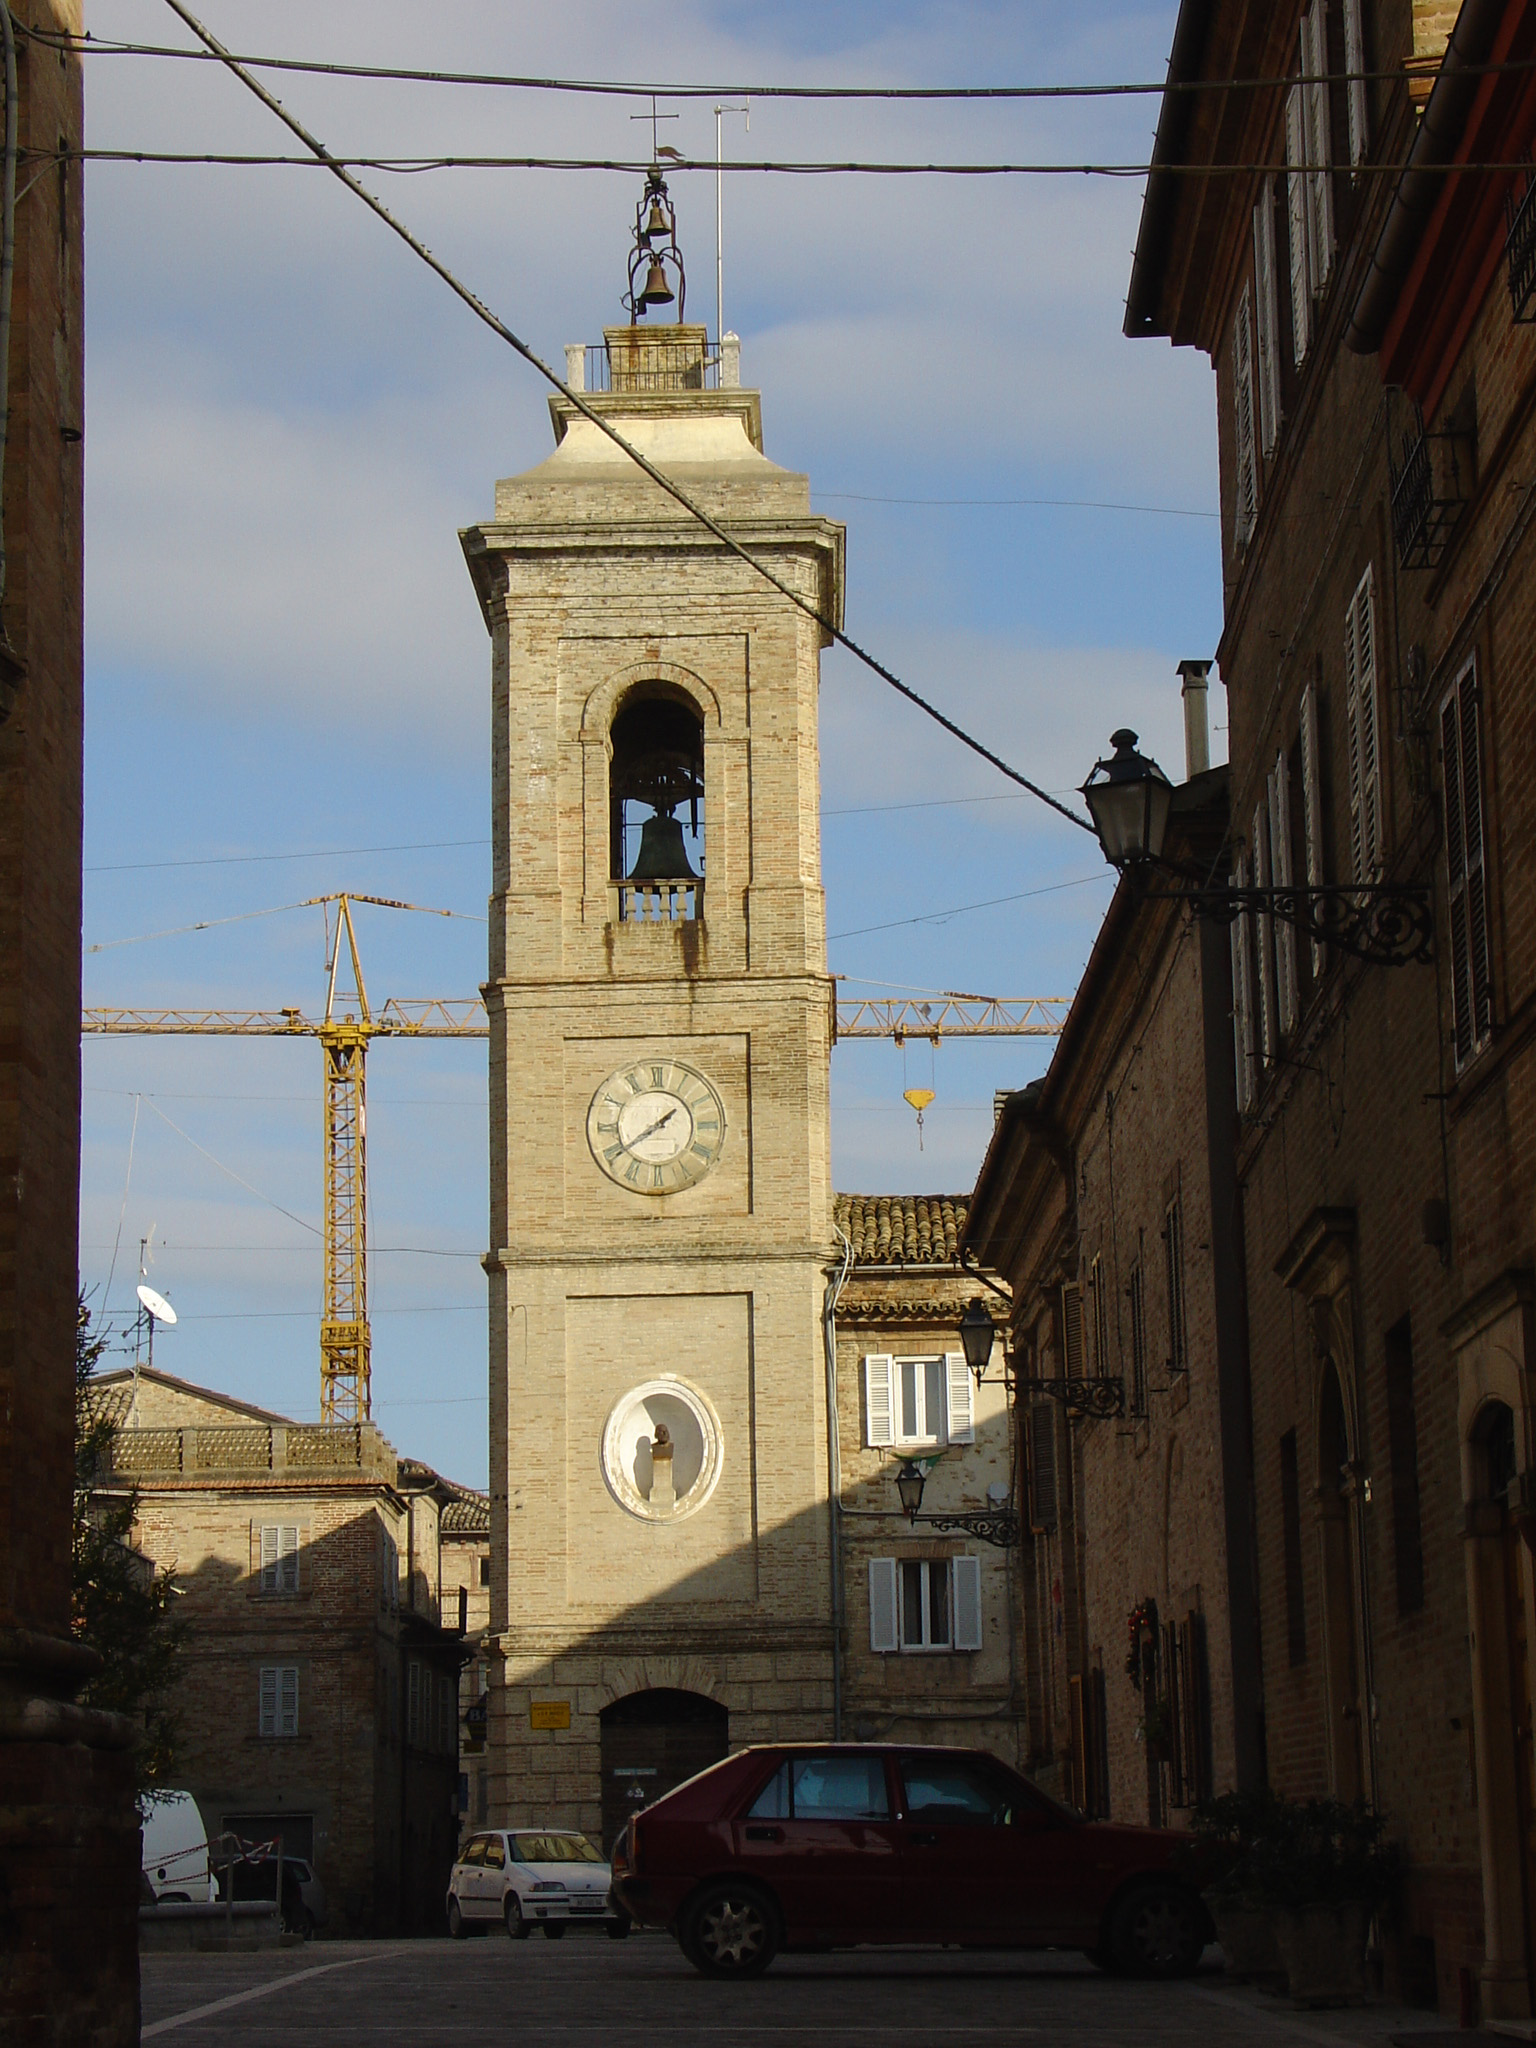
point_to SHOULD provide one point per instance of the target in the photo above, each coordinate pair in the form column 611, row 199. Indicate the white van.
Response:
column 175, row 1852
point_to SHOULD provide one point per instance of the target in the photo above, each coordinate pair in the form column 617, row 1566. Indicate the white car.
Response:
column 531, row 1877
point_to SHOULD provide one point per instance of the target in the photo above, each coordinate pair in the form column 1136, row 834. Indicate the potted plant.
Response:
column 1303, row 1879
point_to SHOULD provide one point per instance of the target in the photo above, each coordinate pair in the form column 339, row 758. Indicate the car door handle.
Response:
column 923, row 1838
column 765, row 1834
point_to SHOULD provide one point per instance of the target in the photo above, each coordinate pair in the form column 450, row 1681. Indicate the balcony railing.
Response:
column 1430, row 484
column 680, row 902
column 641, row 359
column 309, row 1447
column 1520, row 242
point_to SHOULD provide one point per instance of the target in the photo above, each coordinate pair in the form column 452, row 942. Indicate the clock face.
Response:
column 656, row 1127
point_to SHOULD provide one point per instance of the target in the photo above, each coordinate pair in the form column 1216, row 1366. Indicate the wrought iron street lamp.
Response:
column 977, row 1334
column 1129, row 799
column 998, row 1526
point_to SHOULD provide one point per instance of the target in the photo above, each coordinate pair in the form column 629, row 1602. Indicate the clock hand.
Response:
column 655, row 1127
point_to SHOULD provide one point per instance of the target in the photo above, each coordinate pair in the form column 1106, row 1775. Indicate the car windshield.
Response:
column 554, row 1849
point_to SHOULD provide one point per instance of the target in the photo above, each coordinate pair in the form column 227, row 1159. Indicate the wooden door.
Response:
column 652, row 1741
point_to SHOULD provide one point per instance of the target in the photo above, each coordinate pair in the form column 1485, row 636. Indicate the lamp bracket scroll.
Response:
column 1385, row 923
column 997, row 1526
column 1081, row 1396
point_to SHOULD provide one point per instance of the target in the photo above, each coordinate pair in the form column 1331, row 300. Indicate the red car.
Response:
column 818, row 1846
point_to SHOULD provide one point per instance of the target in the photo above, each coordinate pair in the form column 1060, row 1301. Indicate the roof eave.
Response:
column 1143, row 301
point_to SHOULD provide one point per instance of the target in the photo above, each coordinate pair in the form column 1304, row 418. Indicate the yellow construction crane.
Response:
column 345, row 1340
column 344, row 1035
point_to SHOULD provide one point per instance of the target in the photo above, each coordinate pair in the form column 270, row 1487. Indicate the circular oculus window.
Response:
column 697, row 1448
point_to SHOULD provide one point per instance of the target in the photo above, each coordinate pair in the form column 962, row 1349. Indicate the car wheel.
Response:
column 456, row 1925
column 616, row 1929
column 512, row 1909
column 554, row 1930
column 730, row 1930
column 1157, row 1930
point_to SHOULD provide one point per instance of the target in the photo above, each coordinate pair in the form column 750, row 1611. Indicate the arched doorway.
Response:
column 1341, row 1637
column 652, row 1741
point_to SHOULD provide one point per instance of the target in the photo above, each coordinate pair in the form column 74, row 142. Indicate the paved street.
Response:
column 593, row 1990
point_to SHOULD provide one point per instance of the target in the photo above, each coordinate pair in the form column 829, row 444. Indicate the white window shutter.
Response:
column 957, row 1374
column 1242, row 997
column 269, row 1558
column 1245, row 495
column 884, row 1635
column 1261, row 932
column 879, row 1417
column 1280, row 872
column 268, row 1700
column 288, row 1711
column 965, row 1602
column 1354, row 64
column 288, row 1559
column 1296, row 211
column 1268, row 311
column 1319, row 144
column 1312, row 804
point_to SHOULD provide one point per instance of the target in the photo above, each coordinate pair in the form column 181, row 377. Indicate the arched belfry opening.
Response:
column 651, row 1741
column 656, row 789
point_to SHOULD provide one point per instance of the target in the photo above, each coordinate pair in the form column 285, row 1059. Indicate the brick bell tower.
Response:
column 660, row 1016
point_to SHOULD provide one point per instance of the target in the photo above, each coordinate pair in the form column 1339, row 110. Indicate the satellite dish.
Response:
column 157, row 1305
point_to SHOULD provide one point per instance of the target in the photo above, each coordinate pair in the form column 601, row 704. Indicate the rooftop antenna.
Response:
column 156, row 1310
column 746, row 109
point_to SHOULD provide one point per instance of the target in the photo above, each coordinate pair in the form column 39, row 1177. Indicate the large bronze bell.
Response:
column 662, row 856
column 657, row 291
column 658, row 224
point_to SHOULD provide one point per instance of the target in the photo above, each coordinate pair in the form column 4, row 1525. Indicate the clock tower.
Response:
column 661, row 1020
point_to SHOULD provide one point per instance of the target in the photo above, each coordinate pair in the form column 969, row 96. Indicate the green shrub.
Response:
column 1288, row 1853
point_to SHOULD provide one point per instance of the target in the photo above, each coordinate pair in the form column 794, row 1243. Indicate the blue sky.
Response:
column 288, row 420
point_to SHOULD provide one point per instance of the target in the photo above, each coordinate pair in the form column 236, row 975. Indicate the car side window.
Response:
column 839, row 1788
column 772, row 1803
column 475, row 1853
column 495, row 1853
column 958, row 1792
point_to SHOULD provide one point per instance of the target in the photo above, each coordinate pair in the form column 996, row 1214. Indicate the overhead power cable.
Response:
column 410, row 166
column 90, row 45
column 590, row 412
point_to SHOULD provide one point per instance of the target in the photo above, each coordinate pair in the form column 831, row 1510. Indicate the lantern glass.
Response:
column 910, row 1481
column 976, row 1335
column 1128, row 798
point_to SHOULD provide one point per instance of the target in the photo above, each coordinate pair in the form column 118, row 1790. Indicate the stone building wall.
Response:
column 68, row 1829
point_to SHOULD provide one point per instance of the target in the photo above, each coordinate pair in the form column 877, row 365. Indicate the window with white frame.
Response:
column 1461, row 749
column 278, row 1700
column 279, row 1557
column 1096, row 1287
column 928, row 1603
column 1354, row 66
column 917, row 1401
column 1365, row 804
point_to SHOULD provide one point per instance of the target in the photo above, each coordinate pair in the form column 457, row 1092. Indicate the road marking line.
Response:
column 202, row 2012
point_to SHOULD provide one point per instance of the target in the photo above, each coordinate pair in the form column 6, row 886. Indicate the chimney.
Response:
column 1197, row 730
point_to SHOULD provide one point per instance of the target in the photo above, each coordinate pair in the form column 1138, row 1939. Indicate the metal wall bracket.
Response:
column 1083, row 1396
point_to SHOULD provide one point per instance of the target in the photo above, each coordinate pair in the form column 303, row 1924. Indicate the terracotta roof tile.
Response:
column 902, row 1230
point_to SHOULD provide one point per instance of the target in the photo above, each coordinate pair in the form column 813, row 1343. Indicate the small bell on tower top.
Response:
column 655, row 259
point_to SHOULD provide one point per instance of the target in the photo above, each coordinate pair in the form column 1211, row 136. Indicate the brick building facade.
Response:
column 1106, row 1199
column 68, row 1828
column 929, row 1640
column 1376, row 384
column 320, row 1690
